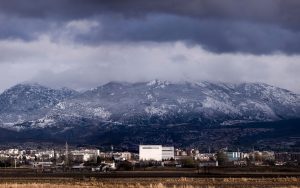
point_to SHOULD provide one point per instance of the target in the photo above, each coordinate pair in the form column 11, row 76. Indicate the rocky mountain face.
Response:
column 155, row 102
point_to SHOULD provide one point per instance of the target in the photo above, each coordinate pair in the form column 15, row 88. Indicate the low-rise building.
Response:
column 208, row 163
column 85, row 154
column 234, row 156
column 168, row 153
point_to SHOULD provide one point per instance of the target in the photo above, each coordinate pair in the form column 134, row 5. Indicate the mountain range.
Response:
column 84, row 117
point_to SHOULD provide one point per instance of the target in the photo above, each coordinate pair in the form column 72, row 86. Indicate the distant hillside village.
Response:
column 149, row 156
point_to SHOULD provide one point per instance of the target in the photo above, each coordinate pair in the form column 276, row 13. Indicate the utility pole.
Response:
column 112, row 151
column 67, row 155
column 54, row 156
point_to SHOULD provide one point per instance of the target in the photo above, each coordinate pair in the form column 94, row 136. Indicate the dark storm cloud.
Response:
column 253, row 26
column 26, row 29
column 214, row 35
column 285, row 12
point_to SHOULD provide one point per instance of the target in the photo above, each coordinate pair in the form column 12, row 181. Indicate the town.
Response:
column 85, row 159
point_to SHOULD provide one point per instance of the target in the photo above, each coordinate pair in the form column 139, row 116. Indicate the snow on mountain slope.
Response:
column 28, row 102
column 150, row 102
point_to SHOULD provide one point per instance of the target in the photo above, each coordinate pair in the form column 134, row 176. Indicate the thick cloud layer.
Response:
column 255, row 26
column 85, row 43
column 59, row 64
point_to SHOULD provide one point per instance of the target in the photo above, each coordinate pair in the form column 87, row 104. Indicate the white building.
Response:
column 13, row 151
column 168, row 153
column 234, row 156
column 123, row 155
column 41, row 164
column 150, row 152
column 85, row 154
column 155, row 152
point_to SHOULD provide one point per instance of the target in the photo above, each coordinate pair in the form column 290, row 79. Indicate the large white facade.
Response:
column 150, row 152
column 168, row 153
column 155, row 152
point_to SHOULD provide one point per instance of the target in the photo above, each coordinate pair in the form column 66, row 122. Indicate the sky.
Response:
column 82, row 44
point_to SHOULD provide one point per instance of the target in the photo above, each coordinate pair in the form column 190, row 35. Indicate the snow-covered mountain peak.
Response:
column 150, row 102
column 158, row 83
column 27, row 101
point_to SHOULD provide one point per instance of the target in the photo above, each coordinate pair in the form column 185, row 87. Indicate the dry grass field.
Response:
column 157, row 183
